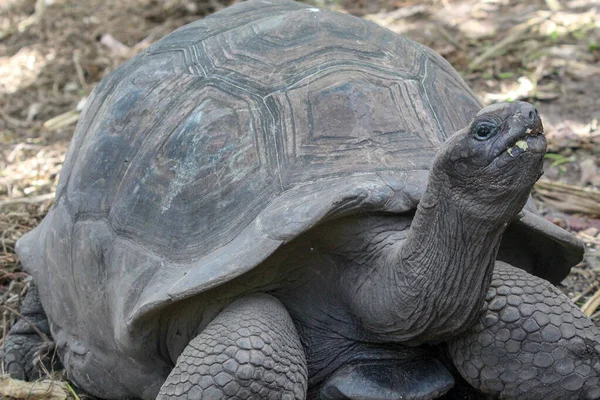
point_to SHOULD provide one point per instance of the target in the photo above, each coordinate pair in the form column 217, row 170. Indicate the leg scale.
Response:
column 250, row 351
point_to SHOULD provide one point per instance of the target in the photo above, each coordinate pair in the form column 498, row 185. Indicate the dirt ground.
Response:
column 53, row 52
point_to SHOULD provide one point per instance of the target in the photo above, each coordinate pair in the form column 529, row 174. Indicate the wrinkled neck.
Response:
column 447, row 260
column 432, row 285
column 446, row 237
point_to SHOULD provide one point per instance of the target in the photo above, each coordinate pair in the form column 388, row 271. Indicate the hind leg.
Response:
column 532, row 342
column 28, row 341
column 249, row 351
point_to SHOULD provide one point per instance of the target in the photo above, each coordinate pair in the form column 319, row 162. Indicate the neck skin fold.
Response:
column 432, row 286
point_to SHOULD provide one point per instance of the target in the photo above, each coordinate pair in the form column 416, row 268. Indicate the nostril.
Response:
column 534, row 115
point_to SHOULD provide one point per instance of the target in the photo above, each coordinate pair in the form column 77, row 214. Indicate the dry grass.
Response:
column 13, row 224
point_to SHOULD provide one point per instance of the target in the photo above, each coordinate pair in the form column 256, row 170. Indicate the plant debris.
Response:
column 38, row 390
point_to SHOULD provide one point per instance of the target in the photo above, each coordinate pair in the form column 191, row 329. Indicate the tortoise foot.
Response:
column 251, row 350
column 28, row 353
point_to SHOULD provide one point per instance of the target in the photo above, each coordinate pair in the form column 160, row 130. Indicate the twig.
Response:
column 13, row 121
column 38, row 13
column 21, row 146
column 588, row 238
column 62, row 120
column 46, row 389
column 553, row 5
column 580, row 271
column 517, row 32
column 79, row 68
column 569, row 198
column 37, row 330
column 592, row 304
column 13, row 275
column 73, row 393
column 585, row 292
column 115, row 45
column 27, row 200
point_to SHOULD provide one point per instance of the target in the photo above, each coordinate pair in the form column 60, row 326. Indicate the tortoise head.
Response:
column 495, row 160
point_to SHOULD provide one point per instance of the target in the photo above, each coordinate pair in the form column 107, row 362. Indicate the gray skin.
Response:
column 237, row 218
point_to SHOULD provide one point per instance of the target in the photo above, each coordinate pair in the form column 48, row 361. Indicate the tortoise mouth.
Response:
column 531, row 139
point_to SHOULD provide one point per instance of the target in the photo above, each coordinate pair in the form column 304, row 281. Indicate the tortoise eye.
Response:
column 484, row 130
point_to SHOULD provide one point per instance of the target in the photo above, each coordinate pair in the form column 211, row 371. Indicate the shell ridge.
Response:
column 84, row 126
column 143, row 144
column 337, row 67
column 431, row 139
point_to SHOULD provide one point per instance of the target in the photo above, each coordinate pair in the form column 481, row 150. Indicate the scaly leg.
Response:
column 251, row 350
column 29, row 339
column 532, row 342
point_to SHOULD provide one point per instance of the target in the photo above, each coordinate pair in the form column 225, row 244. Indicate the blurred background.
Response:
column 53, row 52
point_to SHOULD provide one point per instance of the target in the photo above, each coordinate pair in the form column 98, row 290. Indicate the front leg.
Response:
column 251, row 350
column 28, row 348
column 532, row 342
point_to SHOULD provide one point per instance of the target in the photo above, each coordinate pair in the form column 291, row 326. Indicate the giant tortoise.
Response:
column 282, row 202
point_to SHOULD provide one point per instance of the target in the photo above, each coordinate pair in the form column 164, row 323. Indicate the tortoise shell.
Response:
column 198, row 158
